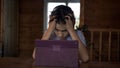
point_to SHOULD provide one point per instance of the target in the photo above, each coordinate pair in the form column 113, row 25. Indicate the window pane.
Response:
column 52, row 5
column 76, row 8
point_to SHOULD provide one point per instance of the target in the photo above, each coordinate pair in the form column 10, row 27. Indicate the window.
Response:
column 50, row 4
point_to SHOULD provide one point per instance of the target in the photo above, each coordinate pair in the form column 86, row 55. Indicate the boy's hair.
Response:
column 60, row 12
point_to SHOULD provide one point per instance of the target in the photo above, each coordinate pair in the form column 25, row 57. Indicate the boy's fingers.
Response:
column 51, row 18
column 67, row 17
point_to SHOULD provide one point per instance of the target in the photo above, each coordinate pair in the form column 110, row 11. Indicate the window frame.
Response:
column 45, row 8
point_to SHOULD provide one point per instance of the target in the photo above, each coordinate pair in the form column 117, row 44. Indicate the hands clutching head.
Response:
column 67, row 21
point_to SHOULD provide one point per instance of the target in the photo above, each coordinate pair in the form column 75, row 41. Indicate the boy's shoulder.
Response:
column 78, row 31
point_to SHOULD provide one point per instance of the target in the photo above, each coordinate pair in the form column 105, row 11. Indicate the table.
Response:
column 18, row 62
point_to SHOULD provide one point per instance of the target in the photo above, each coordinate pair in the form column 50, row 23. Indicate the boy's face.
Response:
column 61, row 31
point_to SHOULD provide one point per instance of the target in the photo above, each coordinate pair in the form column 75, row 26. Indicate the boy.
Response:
column 61, row 27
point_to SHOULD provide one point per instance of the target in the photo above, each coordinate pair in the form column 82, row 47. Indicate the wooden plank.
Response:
column 105, row 30
column 118, row 46
column 109, row 47
column 100, row 46
column 91, row 46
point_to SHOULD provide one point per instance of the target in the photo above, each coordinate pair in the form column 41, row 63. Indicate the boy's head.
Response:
column 60, row 12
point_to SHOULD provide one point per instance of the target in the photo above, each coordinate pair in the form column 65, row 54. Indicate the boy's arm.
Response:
column 48, row 32
column 50, row 29
column 83, row 53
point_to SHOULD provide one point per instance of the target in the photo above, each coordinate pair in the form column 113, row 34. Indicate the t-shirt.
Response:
column 79, row 33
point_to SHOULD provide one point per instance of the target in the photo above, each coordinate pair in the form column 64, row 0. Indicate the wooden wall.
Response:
column 105, row 15
column 96, row 14
column 30, row 24
column 102, row 13
column 0, row 32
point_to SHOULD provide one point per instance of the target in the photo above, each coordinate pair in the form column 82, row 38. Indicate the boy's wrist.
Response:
column 70, row 30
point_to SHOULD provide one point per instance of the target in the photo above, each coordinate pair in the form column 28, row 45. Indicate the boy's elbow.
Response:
column 33, row 55
column 86, row 59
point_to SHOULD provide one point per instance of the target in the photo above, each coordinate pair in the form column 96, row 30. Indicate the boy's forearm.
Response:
column 33, row 55
column 83, row 53
column 47, row 34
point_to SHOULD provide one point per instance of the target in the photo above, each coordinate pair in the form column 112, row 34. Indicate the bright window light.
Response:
column 51, row 6
column 76, row 9
column 74, row 6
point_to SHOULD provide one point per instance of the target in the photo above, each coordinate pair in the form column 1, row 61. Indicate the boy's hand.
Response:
column 47, row 34
column 69, row 23
column 52, row 22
